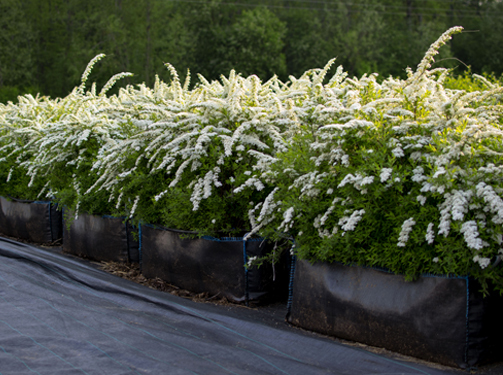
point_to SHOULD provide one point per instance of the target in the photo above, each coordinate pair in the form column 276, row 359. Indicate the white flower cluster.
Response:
column 357, row 180
column 483, row 262
column 430, row 234
column 349, row 223
column 417, row 175
column 135, row 205
column 287, row 220
column 406, row 230
column 385, row 174
column 267, row 215
column 250, row 261
column 421, row 199
column 203, row 187
column 470, row 231
column 493, row 201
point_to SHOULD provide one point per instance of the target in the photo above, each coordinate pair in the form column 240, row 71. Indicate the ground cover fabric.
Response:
column 60, row 315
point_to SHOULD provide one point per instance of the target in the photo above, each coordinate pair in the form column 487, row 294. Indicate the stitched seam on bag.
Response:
column 50, row 222
column 467, row 320
column 290, row 285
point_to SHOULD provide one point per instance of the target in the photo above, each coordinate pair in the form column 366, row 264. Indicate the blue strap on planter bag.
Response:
column 139, row 245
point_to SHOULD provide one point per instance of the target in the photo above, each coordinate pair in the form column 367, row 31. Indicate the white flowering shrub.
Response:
column 20, row 126
column 182, row 169
column 403, row 174
column 71, row 141
column 51, row 144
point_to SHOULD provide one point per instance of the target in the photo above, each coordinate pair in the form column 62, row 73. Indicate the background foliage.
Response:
column 44, row 45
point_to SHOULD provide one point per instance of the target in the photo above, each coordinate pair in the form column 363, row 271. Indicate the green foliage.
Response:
column 228, row 37
column 469, row 82
column 44, row 43
column 255, row 44
column 16, row 49
column 478, row 48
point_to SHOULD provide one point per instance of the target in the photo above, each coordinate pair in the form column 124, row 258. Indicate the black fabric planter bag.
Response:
column 212, row 265
column 34, row 221
column 439, row 319
column 102, row 238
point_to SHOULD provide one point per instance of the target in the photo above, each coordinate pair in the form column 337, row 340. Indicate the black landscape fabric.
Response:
column 60, row 315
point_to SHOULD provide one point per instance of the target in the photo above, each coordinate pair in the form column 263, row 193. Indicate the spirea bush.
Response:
column 403, row 174
column 69, row 143
column 48, row 146
column 400, row 174
column 20, row 126
column 183, row 166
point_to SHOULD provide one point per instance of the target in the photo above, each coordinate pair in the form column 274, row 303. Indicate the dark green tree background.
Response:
column 46, row 44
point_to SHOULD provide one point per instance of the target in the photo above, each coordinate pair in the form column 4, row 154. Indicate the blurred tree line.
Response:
column 46, row 44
